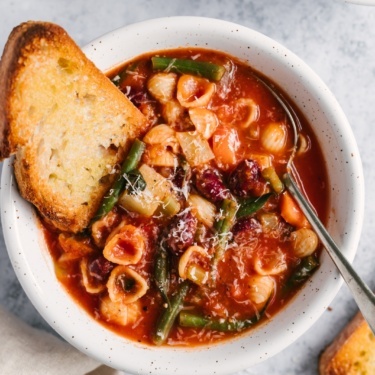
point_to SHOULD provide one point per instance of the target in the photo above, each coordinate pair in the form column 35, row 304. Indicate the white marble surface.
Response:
column 335, row 38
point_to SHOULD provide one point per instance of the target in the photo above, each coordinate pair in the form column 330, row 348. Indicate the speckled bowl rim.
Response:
column 34, row 268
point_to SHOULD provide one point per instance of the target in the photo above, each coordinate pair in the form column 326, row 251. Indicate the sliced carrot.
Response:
column 225, row 143
column 291, row 212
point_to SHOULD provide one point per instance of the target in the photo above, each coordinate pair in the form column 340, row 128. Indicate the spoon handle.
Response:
column 361, row 293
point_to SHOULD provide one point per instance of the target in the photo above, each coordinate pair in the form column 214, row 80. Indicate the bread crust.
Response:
column 352, row 352
column 57, row 108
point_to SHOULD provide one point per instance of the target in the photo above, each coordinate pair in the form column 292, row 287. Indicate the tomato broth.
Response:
column 204, row 241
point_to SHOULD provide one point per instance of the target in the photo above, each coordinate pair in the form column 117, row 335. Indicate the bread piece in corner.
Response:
column 352, row 352
column 67, row 124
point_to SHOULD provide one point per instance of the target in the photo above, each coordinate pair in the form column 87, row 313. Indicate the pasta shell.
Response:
column 173, row 112
column 159, row 156
column 246, row 113
column 260, row 289
column 125, row 285
column 162, row 135
column 303, row 144
column 204, row 120
column 273, row 137
column 270, row 262
column 162, row 146
column 162, row 86
column 194, row 91
column 305, row 242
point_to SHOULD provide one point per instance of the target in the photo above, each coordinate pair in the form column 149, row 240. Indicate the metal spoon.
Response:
column 361, row 293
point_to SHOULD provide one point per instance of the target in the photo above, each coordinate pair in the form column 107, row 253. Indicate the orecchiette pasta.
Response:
column 103, row 227
column 162, row 86
column 126, row 247
column 270, row 262
column 194, row 91
column 91, row 285
column 120, row 313
column 125, row 285
column 305, row 242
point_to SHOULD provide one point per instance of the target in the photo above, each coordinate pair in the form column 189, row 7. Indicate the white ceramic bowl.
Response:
column 33, row 265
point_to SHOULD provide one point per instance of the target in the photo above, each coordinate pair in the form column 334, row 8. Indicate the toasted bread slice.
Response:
column 352, row 352
column 65, row 121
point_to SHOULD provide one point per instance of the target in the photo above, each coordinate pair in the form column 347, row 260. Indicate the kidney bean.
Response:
column 100, row 267
column 210, row 184
column 246, row 180
column 248, row 224
column 181, row 232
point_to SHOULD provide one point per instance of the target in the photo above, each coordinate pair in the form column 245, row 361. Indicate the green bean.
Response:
column 270, row 175
column 251, row 205
column 186, row 174
column 305, row 269
column 161, row 272
column 130, row 163
column 189, row 319
column 169, row 315
column 123, row 74
column 223, row 226
column 204, row 69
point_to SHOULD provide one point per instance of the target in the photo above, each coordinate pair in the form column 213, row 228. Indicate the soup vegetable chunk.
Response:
column 198, row 240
